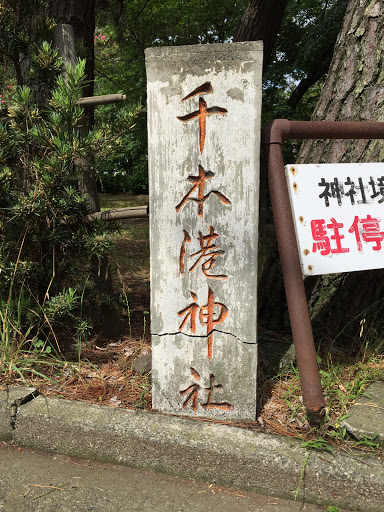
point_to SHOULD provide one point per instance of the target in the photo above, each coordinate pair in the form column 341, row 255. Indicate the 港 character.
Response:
column 206, row 256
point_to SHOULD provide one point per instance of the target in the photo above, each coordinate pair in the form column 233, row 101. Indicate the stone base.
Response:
column 366, row 417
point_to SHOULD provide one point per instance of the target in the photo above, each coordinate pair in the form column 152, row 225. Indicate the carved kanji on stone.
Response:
column 210, row 314
column 199, row 184
column 192, row 394
column 206, row 256
column 203, row 111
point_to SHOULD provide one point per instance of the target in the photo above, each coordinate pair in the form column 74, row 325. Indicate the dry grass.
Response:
column 105, row 376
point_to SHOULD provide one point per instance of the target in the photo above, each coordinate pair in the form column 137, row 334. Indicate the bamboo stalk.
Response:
column 135, row 212
column 105, row 99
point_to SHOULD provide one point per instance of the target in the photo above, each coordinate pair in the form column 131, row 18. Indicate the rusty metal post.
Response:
column 272, row 138
column 293, row 280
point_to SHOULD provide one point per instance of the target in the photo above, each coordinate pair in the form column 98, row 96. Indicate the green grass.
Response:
column 21, row 352
column 343, row 382
column 112, row 201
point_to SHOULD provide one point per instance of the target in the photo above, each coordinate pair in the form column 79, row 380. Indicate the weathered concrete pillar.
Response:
column 204, row 107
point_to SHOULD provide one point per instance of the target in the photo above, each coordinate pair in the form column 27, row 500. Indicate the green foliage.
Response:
column 21, row 349
column 343, row 382
column 303, row 52
column 305, row 42
column 24, row 26
column 99, row 243
column 125, row 28
column 45, row 243
column 319, row 445
column 372, row 443
column 62, row 305
column 127, row 169
column 123, row 31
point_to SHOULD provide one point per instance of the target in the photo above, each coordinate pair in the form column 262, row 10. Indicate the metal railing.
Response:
column 273, row 135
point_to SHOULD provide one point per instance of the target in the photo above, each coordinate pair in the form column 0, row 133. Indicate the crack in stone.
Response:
column 204, row 336
column 46, row 404
column 195, row 335
column 16, row 404
column 304, row 481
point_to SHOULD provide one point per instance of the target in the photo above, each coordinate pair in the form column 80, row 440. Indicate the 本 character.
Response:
column 198, row 183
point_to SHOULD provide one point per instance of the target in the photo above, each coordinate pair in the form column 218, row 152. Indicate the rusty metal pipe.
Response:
column 293, row 280
column 281, row 129
column 273, row 136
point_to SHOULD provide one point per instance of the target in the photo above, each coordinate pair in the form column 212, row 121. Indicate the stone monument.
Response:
column 204, row 106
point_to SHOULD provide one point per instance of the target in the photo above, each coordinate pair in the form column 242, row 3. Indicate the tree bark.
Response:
column 261, row 21
column 353, row 91
column 78, row 25
column 354, row 87
column 80, row 14
column 64, row 39
column 88, row 184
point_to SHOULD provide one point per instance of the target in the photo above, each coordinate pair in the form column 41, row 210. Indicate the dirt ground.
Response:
column 105, row 375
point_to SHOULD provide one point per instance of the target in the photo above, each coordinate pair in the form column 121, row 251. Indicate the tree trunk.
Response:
column 64, row 39
column 88, row 185
column 354, row 90
column 80, row 14
column 79, row 25
column 261, row 21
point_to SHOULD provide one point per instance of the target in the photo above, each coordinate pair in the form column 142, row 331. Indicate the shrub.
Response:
column 45, row 242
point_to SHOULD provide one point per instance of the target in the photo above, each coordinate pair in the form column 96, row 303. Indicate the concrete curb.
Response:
column 11, row 398
column 214, row 453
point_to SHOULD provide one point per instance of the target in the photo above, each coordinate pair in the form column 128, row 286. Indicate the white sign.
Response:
column 338, row 213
